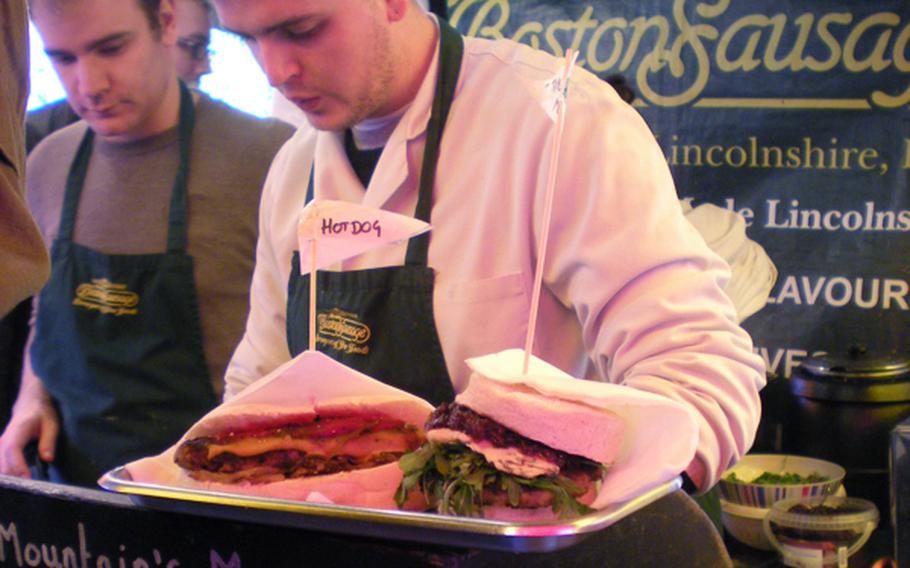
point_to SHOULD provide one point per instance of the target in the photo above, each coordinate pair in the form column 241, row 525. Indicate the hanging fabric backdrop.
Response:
column 795, row 114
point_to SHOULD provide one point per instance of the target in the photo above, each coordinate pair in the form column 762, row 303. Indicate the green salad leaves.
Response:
column 785, row 478
column 453, row 478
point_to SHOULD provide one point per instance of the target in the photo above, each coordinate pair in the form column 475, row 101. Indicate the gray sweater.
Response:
column 124, row 206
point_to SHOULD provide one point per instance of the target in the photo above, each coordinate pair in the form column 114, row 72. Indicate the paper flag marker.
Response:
column 343, row 230
column 556, row 91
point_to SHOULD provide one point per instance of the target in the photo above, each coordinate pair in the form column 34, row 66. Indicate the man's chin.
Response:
column 103, row 129
column 322, row 122
column 111, row 129
column 328, row 120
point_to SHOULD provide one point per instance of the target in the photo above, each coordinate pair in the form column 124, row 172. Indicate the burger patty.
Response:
column 454, row 416
column 289, row 463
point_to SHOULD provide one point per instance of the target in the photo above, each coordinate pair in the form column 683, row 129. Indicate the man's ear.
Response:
column 167, row 22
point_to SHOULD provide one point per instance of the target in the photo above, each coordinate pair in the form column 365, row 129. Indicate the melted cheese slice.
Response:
column 356, row 445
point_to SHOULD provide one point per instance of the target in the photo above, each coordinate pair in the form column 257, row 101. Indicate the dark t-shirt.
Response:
column 362, row 161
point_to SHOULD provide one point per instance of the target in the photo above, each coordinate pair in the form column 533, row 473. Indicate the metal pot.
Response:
column 844, row 408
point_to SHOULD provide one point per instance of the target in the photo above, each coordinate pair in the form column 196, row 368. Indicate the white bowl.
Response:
column 745, row 524
column 763, row 495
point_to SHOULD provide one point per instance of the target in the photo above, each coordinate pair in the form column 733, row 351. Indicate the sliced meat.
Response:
column 453, row 416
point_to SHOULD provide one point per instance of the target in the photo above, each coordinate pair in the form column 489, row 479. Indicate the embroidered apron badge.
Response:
column 106, row 297
column 343, row 331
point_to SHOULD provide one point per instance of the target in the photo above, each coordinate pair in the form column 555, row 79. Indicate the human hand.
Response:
column 34, row 418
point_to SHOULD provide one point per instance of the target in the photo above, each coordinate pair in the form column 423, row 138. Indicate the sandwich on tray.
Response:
column 314, row 430
column 505, row 450
column 262, row 444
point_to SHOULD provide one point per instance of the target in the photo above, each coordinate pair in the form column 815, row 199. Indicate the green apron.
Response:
column 118, row 342
column 391, row 306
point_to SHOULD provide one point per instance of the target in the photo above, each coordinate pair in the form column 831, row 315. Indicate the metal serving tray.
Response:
column 426, row 528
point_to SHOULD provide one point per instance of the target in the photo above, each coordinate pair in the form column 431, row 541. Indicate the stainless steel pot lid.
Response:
column 854, row 375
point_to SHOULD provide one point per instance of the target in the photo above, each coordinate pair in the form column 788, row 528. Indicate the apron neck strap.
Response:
column 74, row 181
column 451, row 50
column 177, row 218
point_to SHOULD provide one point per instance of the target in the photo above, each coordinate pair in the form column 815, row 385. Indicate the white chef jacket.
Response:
column 632, row 294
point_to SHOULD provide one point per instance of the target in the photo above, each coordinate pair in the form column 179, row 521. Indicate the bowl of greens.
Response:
column 760, row 480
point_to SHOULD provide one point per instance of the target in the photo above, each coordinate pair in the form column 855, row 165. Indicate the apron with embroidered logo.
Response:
column 118, row 341
column 380, row 321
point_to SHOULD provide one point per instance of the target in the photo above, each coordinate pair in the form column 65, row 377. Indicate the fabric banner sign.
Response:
column 793, row 114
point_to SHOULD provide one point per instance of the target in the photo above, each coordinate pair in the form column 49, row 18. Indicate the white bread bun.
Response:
column 570, row 426
column 373, row 488
column 239, row 417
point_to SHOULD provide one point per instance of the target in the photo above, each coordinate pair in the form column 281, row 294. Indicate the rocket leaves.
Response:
column 453, row 478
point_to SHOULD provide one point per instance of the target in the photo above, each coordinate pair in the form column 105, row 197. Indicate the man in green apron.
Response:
column 151, row 216
column 418, row 120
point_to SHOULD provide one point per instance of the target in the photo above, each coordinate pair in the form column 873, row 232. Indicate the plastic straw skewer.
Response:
column 312, row 344
column 548, row 207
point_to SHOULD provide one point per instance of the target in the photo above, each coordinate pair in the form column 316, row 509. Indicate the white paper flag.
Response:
column 556, row 89
column 343, row 230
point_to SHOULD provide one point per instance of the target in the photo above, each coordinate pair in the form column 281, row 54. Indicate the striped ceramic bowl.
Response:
column 743, row 492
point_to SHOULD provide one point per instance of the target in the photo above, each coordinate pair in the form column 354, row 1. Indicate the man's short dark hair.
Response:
column 149, row 8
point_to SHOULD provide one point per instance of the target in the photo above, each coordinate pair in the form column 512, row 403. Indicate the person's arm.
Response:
column 264, row 345
column 22, row 253
column 753, row 271
column 33, row 418
column 647, row 290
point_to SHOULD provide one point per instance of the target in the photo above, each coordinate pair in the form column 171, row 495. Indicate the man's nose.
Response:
column 92, row 78
column 277, row 61
column 203, row 66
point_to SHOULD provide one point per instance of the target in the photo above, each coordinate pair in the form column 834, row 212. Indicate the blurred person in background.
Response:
column 195, row 19
column 149, row 205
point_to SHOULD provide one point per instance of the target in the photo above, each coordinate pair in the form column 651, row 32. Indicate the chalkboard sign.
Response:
column 48, row 525
column 43, row 524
